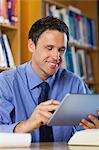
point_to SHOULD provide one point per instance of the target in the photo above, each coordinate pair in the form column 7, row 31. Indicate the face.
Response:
column 47, row 54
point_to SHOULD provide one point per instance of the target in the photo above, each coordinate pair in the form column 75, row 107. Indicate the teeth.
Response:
column 53, row 63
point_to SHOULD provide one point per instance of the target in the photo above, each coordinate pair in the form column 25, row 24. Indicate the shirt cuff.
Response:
column 8, row 128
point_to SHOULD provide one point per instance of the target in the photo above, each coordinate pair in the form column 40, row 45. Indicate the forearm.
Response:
column 25, row 126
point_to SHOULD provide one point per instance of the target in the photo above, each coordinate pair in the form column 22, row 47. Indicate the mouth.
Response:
column 53, row 65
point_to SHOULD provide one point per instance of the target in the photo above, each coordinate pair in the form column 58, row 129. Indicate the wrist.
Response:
column 22, row 127
column 26, row 126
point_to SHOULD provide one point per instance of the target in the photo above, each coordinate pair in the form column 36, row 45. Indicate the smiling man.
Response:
column 47, row 54
column 31, row 92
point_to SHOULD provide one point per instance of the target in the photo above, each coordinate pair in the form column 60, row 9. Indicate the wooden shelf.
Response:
column 55, row 2
column 87, row 48
column 7, row 26
column 90, row 82
column 3, row 69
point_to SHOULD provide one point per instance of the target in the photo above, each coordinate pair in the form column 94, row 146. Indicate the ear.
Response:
column 31, row 46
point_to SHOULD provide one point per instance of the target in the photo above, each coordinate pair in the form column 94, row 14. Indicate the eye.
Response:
column 49, row 48
column 61, row 50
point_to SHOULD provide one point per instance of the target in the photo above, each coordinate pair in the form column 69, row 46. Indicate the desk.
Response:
column 53, row 146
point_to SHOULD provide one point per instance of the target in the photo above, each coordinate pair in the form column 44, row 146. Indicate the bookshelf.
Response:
column 36, row 9
column 30, row 11
column 12, row 30
column 91, row 51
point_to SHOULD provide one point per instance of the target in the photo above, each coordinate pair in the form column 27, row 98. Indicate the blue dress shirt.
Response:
column 19, row 93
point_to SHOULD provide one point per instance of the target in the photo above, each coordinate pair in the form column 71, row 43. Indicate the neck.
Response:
column 42, row 74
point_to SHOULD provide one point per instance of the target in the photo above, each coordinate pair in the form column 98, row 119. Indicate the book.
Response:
column 54, row 11
column 75, row 27
column 3, row 62
column 3, row 12
column 64, row 16
column 93, row 32
column 74, row 9
column 89, row 137
column 4, row 51
column 14, row 12
column 15, row 140
column 81, row 28
column 8, row 49
column 72, row 25
column 89, row 69
column 69, row 59
column 81, row 65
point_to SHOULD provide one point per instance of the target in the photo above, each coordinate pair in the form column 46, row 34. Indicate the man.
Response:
column 21, row 89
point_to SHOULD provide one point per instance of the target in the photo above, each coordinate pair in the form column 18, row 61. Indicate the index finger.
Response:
column 51, row 102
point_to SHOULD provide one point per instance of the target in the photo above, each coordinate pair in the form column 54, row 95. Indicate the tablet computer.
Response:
column 74, row 107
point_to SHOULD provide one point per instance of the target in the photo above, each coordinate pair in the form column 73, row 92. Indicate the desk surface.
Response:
column 53, row 146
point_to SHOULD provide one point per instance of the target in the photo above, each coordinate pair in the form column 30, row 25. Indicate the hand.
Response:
column 43, row 112
column 39, row 117
column 94, row 124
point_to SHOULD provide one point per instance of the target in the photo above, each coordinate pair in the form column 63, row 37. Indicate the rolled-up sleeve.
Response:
column 6, row 107
column 8, row 128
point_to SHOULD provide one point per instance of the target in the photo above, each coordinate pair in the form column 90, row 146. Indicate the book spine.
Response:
column 3, row 62
column 69, row 60
column 4, row 50
column 8, row 49
column 14, row 16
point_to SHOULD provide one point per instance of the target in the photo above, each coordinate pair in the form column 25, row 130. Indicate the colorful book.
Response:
column 81, row 64
column 69, row 59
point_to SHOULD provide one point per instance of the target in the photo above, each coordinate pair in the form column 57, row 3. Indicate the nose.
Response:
column 56, row 55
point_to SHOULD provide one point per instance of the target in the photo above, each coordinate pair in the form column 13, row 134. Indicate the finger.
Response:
column 44, row 117
column 48, row 107
column 93, row 119
column 46, row 114
column 83, row 126
column 88, row 124
column 49, row 102
column 55, row 102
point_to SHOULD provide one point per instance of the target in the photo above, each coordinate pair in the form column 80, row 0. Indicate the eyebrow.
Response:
column 53, row 46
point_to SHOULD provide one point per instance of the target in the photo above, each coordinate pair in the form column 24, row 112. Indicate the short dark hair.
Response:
column 50, row 23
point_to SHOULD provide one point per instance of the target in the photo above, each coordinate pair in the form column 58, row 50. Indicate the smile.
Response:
column 53, row 65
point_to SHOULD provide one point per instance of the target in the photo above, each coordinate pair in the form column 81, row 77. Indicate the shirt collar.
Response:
column 33, row 79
